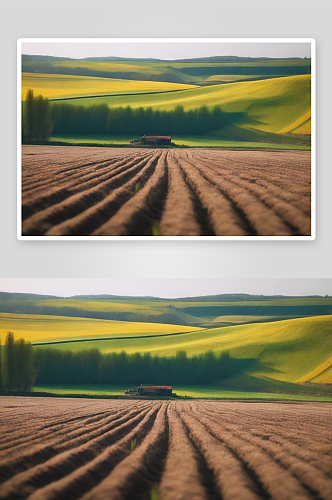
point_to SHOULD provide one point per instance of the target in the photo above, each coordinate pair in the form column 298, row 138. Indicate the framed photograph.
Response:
column 166, row 389
column 204, row 139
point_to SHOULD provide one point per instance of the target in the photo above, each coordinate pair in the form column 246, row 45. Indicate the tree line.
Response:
column 22, row 365
column 55, row 366
column 36, row 118
column 69, row 119
column 40, row 119
column 17, row 367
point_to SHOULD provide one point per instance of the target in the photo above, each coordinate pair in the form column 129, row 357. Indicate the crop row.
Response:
column 74, row 191
column 169, row 450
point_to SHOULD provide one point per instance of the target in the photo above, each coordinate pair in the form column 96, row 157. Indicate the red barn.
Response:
column 156, row 139
column 151, row 390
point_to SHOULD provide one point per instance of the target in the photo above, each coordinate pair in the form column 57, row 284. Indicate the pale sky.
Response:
column 166, row 287
column 166, row 50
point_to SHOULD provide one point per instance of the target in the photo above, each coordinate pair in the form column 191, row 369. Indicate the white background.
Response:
column 183, row 259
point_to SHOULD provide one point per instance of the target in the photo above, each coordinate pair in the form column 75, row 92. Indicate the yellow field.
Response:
column 103, row 305
column 39, row 328
column 300, row 126
column 271, row 105
column 289, row 350
column 57, row 86
column 241, row 319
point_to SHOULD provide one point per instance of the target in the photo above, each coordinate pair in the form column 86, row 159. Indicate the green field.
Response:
column 287, row 350
column 188, row 141
column 295, row 350
column 181, row 71
column 177, row 312
column 45, row 329
column 69, row 86
column 206, row 392
column 290, row 338
column 276, row 105
column 273, row 96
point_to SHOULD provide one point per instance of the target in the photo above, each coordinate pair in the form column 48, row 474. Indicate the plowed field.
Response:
column 78, row 191
column 140, row 449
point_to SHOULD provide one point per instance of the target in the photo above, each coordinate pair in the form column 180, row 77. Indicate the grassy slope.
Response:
column 157, row 307
column 168, row 71
column 181, row 308
column 191, row 391
column 288, row 350
column 38, row 328
column 271, row 105
column 57, row 86
column 189, row 141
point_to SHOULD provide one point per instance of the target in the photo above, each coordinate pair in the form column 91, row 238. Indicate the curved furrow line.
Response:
column 134, row 475
column 83, row 180
column 73, row 484
column 178, row 218
column 301, row 199
column 40, row 453
column 271, row 198
column 71, row 159
column 77, row 203
column 277, row 481
column 321, row 461
column 263, row 220
column 28, row 434
column 64, row 434
column 32, row 427
column 314, row 479
column 140, row 212
column 301, row 462
column 34, row 203
column 223, row 218
column 181, row 476
column 35, row 430
column 286, row 179
column 289, row 215
column 22, row 484
column 92, row 218
column 232, row 480
column 72, row 173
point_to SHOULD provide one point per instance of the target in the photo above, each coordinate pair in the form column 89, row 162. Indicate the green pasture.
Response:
column 46, row 328
column 187, row 141
column 270, row 105
column 288, row 350
column 70, row 86
column 205, row 392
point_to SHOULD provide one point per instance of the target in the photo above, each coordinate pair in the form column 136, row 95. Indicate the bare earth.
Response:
column 53, row 448
column 81, row 191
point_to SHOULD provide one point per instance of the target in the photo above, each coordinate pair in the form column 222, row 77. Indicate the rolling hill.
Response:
column 196, row 312
column 277, row 105
column 51, row 330
column 71, row 86
column 273, row 95
column 290, row 338
column 175, row 71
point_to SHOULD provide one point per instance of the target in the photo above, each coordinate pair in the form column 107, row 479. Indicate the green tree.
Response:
column 18, row 371
column 37, row 122
column 8, row 362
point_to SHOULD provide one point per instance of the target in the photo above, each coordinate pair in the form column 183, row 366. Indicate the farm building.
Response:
column 156, row 139
column 153, row 139
column 150, row 390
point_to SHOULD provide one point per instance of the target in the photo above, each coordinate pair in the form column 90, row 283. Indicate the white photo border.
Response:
column 312, row 42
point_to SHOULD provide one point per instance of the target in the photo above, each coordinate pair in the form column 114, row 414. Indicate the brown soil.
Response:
column 80, row 191
column 55, row 449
